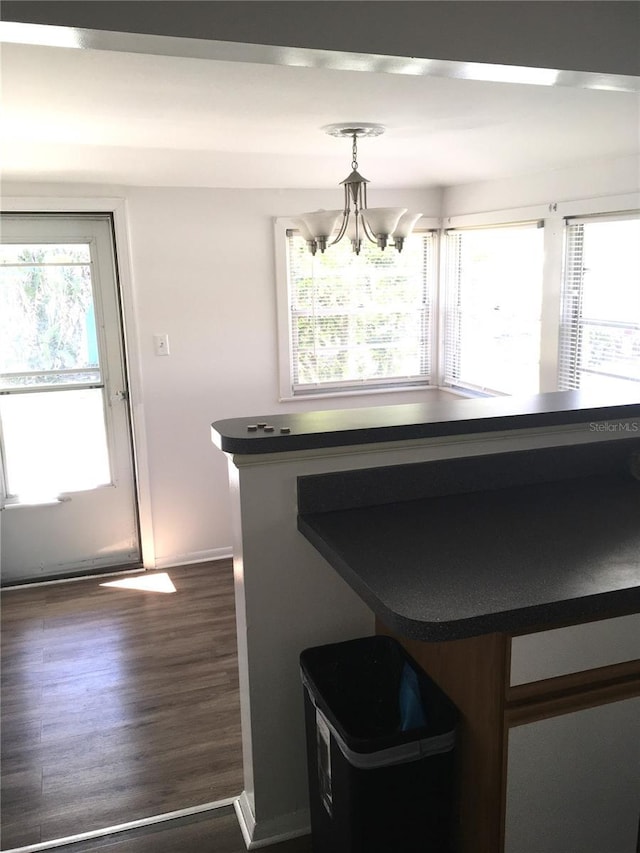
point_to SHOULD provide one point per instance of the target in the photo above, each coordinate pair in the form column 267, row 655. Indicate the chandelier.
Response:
column 380, row 225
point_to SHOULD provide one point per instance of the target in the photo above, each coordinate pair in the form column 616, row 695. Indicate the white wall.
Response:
column 203, row 271
column 600, row 178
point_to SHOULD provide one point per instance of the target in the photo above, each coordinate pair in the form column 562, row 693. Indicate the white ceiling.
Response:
column 133, row 118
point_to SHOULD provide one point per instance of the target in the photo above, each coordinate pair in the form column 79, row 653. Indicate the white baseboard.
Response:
column 267, row 832
column 245, row 818
column 194, row 557
column 42, row 846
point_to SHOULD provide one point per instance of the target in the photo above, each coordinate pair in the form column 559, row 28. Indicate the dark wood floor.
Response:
column 210, row 832
column 117, row 704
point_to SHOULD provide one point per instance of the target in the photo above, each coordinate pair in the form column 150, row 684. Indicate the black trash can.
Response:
column 380, row 748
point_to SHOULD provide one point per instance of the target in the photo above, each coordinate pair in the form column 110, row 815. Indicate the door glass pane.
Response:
column 47, row 253
column 54, row 442
column 47, row 318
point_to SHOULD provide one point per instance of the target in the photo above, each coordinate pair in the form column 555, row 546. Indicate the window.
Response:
column 359, row 322
column 491, row 329
column 600, row 330
column 514, row 307
column 49, row 344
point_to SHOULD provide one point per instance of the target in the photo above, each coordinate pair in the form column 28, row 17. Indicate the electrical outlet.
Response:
column 161, row 344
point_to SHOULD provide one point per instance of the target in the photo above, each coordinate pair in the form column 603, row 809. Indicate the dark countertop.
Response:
column 506, row 560
column 313, row 430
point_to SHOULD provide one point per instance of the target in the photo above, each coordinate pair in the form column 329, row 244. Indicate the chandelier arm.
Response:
column 368, row 233
column 345, row 218
column 358, row 204
column 343, row 228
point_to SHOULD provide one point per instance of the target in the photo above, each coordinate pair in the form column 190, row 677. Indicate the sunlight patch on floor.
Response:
column 156, row 582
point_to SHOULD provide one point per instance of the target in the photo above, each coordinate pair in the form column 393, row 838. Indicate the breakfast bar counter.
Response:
column 507, row 560
column 458, row 417
column 498, row 540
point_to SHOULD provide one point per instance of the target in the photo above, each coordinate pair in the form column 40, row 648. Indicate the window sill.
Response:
column 356, row 392
column 470, row 393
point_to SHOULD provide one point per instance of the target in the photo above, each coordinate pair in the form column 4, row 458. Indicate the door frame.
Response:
column 117, row 207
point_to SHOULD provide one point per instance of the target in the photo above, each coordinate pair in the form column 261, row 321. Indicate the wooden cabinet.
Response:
column 549, row 740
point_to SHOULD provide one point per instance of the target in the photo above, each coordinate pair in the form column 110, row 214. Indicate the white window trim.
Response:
column 119, row 209
column 553, row 210
column 283, row 301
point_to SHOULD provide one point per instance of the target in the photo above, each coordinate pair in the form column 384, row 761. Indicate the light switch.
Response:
column 161, row 344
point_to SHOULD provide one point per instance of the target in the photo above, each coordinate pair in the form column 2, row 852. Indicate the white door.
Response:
column 67, row 474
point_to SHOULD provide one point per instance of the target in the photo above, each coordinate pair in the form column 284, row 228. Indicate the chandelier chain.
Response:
column 354, row 154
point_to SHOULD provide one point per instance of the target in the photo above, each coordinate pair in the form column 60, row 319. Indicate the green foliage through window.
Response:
column 360, row 320
column 47, row 320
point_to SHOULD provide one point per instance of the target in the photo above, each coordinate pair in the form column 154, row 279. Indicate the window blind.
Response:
column 452, row 309
column 570, row 327
column 360, row 321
